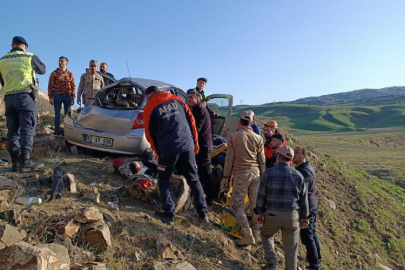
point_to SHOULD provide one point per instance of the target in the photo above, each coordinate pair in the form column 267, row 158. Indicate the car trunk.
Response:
column 119, row 121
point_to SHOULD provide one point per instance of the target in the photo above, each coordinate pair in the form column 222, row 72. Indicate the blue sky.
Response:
column 259, row 51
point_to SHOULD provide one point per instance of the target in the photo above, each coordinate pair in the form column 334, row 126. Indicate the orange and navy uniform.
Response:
column 169, row 124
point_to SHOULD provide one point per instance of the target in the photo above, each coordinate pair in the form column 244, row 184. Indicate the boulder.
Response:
column 91, row 194
column 71, row 228
column 331, row 203
column 61, row 254
column 89, row 266
column 96, row 235
column 9, row 235
column 3, row 203
column 183, row 266
column 69, row 182
column 25, row 256
column 9, row 189
column 181, row 193
column 88, row 214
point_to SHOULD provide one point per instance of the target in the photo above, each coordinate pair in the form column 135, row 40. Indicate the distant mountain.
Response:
column 388, row 95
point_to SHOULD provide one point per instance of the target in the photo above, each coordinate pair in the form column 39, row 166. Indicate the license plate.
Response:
column 99, row 141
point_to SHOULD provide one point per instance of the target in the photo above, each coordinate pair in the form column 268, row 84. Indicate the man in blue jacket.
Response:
column 171, row 132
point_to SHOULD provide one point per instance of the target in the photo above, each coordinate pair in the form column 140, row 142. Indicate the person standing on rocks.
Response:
column 170, row 129
column 245, row 159
column 90, row 84
column 309, row 236
column 61, row 90
column 282, row 204
column 203, row 125
column 17, row 75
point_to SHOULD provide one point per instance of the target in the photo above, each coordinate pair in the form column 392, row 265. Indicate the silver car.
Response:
column 113, row 122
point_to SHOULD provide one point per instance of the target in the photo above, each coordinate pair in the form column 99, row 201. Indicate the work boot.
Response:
column 16, row 165
column 165, row 219
column 27, row 164
column 247, row 238
column 256, row 235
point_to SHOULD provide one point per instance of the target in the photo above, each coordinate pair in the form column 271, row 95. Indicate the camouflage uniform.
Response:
column 89, row 86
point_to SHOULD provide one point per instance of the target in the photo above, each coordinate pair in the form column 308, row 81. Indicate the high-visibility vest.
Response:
column 16, row 71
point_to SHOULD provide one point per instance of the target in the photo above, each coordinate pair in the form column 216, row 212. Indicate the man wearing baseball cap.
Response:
column 282, row 204
column 17, row 75
column 245, row 159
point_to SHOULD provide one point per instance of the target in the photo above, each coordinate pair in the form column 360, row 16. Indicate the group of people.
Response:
column 281, row 197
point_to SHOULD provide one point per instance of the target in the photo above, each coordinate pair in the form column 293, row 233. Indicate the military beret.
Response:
column 202, row 79
column 95, row 62
column 19, row 40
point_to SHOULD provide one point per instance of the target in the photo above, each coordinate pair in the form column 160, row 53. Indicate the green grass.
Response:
column 322, row 119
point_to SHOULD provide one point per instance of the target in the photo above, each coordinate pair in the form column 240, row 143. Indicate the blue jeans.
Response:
column 58, row 99
column 21, row 115
column 187, row 167
column 310, row 239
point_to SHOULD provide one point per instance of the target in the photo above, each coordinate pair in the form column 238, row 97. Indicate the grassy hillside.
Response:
column 309, row 119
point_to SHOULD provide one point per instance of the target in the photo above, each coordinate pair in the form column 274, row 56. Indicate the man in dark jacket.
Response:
column 308, row 235
column 203, row 125
column 171, row 132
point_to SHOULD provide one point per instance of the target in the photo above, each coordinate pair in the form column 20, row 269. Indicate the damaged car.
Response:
column 113, row 122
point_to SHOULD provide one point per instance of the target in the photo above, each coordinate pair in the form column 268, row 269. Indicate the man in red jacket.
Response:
column 171, row 132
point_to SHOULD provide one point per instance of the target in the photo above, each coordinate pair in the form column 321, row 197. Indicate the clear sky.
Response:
column 259, row 51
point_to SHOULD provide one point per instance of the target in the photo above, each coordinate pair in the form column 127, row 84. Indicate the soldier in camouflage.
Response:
column 90, row 84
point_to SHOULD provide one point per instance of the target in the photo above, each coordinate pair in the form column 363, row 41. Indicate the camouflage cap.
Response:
column 93, row 62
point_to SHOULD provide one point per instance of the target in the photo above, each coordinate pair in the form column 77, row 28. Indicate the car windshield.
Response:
column 219, row 106
column 120, row 97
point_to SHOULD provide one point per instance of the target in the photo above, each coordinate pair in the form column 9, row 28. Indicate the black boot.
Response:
column 16, row 165
column 26, row 162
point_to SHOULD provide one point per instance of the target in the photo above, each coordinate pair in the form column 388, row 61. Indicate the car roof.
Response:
column 145, row 83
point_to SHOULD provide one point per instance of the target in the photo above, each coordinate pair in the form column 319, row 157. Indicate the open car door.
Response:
column 221, row 104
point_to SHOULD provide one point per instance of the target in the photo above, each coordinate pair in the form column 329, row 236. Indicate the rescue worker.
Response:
column 282, row 204
column 107, row 76
column 245, row 159
column 201, row 83
column 203, row 125
column 17, row 75
column 61, row 90
column 277, row 141
column 90, row 84
column 171, row 132
column 270, row 128
column 309, row 236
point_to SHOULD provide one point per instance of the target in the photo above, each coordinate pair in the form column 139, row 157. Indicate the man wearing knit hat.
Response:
column 17, row 75
column 245, row 159
column 90, row 84
column 282, row 204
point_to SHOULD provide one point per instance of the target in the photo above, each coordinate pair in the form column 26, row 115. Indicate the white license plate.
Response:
column 99, row 141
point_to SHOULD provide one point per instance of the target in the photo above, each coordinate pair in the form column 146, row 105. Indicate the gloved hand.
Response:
column 196, row 149
column 224, row 184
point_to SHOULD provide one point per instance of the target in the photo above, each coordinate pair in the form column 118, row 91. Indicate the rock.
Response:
column 332, row 204
column 165, row 249
column 312, row 155
column 96, row 235
column 280, row 255
column 80, row 255
column 11, row 216
column 109, row 218
column 158, row 266
column 47, row 131
column 72, row 228
column 9, row 235
column 9, row 188
column 184, row 266
column 61, row 253
column 181, row 192
column 14, row 176
column 179, row 255
column 25, row 256
column 91, row 194
column 383, row 267
column 138, row 257
column 3, row 203
column 89, row 266
column 88, row 214
column 69, row 182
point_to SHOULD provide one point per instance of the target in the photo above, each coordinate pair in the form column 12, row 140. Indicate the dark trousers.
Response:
column 58, row 100
column 21, row 115
column 205, row 172
column 187, row 167
column 310, row 239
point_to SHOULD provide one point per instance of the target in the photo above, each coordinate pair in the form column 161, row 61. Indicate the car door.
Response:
column 221, row 105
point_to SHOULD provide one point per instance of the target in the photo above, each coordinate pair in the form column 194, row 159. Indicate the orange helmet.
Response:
column 271, row 123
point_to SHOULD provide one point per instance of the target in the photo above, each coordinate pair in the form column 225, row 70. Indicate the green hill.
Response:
column 303, row 118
